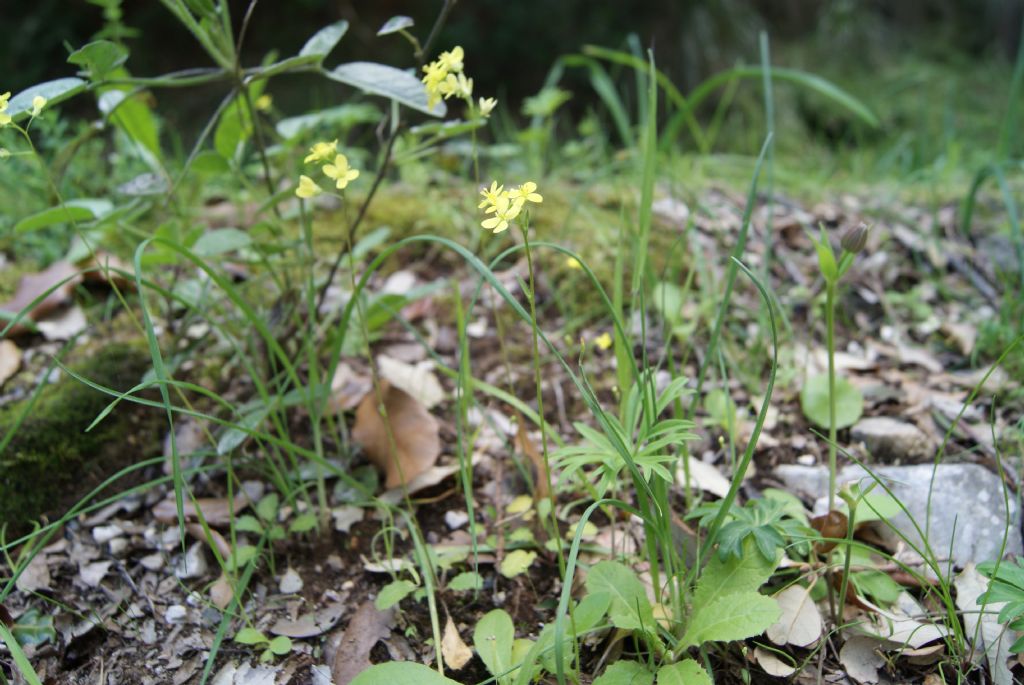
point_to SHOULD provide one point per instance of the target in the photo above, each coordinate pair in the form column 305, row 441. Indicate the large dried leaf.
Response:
column 404, row 442
column 311, row 624
column 216, row 510
column 10, row 360
column 349, row 653
column 800, row 623
column 417, row 380
column 62, row 276
column 456, row 652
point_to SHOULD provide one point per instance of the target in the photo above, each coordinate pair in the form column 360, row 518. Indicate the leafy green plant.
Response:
column 272, row 647
column 1006, row 584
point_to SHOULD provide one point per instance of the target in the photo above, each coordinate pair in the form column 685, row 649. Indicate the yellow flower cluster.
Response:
column 5, row 118
column 506, row 205
column 444, row 77
column 336, row 169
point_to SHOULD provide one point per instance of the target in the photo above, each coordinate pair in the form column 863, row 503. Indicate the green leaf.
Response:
column 396, row 24
column 250, row 636
column 54, row 91
column 380, row 79
column 876, row 506
column 233, row 128
column 241, row 556
column 667, row 298
column 303, row 523
column 735, row 574
column 814, row 402
column 879, row 586
column 493, row 637
column 324, row 40
column 734, row 616
column 624, row 672
column 221, row 240
column 280, row 645
column 133, row 116
column 34, row 628
column 248, row 524
column 267, row 507
column 342, row 116
column 407, row 672
column 685, row 672
column 826, row 257
column 98, row 58
column 393, row 593
column 721, row 408
column 630, row 609
column 83, row 209
column 469, row 580
column 516, row 562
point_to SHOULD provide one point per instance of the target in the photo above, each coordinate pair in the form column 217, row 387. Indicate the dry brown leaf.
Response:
column 415, row 434
column 311, row 624
column 456, row 653
column 63, row 325
column 10, row 360
column 216, row 510
column 800, row 623
column 416, row 379
column 349, row 653
column 773, row 665
column 347, row 388
column 222, row 545
column 221, row 592
column 105, row 268
column 62, row 276
column 861, row 658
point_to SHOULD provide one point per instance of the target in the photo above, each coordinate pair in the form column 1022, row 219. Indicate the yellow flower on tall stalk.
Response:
column 487, row 106
column 307, row 188
column 491, row 196
column 4, row 117
column 341, row 172
column 321, row 151
column 504, row 211
column 527, row 192
column 452, row 60
column 603, row 341
column 38, row 102
column 459, row 86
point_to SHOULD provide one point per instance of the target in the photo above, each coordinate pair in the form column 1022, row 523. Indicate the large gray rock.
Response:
column 968, row 516
column 892, row 440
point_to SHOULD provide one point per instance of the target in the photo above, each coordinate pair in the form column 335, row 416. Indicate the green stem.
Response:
column 525, row 226
column 830, row 324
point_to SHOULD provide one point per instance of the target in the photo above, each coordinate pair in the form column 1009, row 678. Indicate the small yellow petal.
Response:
column 307, row 188
column 38, row 102
column 603, row 341
column 573, row 263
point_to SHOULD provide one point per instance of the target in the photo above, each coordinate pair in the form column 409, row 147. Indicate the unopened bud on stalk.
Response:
column 855, row 239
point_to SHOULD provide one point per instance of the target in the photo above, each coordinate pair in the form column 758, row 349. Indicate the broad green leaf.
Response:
column 814, row 402
column 685, row 672
column 54, row 91
column 324, row 40
column 878, row 585
column 98, row 58
column 405, row 672
column 241, row 556
column 233, row 129
column 380, row 79
column 83, row 209
column 516, row 562
column 340, row 117
column 133, row 116
column 735, row 616
column 876, row 506
column 721, row 408
column 280, row 645
column 396, row 24
column 248, row 524
column 34, row 628
column 586, row 616
column 267, row 507
column 630, row 609
column 221, row 240
column 303, row 523
column 250, row 636
column 468, row 580
column 826, row 257
column 667, row 298
column 624, row 672
column 493, row 638
column 393, row 593
column 736, row 574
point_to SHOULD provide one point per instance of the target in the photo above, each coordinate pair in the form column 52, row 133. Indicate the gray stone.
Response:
column 968, row 516
column 892, row 440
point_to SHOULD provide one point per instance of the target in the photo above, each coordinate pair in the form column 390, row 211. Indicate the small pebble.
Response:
column 175, row 613
column 118, row 546
column 456, row 519
column 193, row 564
column 806, row 460
column 291, row 582
column 104, row 534
column 152, row 562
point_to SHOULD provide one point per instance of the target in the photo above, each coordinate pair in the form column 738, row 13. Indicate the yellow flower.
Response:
column 307, row 188
column 4, row 117
column 263, row 102
column 526, row 193
column 341, row 172
column 491, row 196
column 573, row 263
column 604, row 341
column 459, row 86
column 38, row 102
column 487, row 106
column 504, row 212
column 321, row 151
column 432, row 80
column 452, row 60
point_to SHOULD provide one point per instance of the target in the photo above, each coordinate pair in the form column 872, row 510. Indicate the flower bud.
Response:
column 854, row 239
